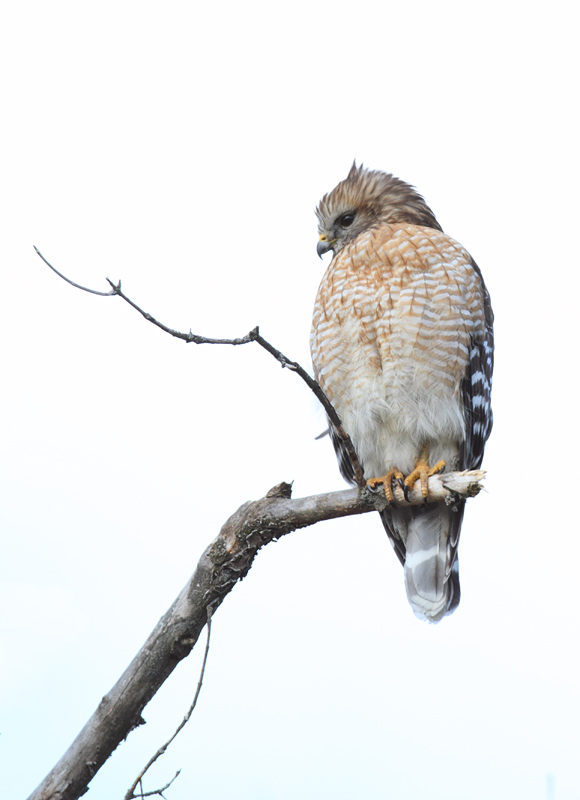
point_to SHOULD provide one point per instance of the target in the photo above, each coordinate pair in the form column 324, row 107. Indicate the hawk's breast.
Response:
column 394, row 317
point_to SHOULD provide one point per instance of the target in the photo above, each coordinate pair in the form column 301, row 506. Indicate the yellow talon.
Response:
column 423, row 472
column 387, row 482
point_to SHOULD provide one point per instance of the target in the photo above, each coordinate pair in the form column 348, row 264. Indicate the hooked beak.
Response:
column 324, row 245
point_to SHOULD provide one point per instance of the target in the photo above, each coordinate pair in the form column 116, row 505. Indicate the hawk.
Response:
column 402, row 346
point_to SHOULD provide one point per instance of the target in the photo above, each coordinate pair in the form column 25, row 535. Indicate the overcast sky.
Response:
column 183, row 148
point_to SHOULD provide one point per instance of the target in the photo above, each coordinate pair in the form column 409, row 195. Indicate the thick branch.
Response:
column 226, row 561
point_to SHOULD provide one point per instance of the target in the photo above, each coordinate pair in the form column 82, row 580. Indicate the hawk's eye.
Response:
column 346, row 220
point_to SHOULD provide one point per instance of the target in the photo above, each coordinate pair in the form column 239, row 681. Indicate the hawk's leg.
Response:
column 422, row 472
column 387, row 482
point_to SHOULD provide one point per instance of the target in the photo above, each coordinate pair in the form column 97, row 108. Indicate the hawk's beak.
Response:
column 324, row 245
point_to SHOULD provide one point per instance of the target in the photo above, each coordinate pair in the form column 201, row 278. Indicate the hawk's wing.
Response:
column 476, row 389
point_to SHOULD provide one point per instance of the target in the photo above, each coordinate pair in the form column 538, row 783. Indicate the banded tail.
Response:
column 425, row 539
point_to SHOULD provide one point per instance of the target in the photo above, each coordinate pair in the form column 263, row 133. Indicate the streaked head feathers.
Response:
column 364, row 199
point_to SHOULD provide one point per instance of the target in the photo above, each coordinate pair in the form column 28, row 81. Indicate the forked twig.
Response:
column 252, row 336
column 138, row 780
column 158, row 792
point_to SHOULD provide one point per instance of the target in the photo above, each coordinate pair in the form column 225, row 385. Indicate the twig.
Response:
column 131, row 793
column 253, row 336
column 68, row 280
column 158, row 792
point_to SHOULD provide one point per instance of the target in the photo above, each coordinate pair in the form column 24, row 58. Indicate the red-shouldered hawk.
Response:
column 402, row 345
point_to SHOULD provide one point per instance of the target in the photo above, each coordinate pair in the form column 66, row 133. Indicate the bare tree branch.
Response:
column 138, row 780
column 227, row 560
column 253, row 336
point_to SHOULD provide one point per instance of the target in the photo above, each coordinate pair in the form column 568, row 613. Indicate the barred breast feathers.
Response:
column 389, row 345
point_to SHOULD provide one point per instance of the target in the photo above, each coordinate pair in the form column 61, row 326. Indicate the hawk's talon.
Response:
column 423, row 472
column 387, row 482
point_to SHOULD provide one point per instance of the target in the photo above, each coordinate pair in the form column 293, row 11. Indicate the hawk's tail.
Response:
column 430, row 535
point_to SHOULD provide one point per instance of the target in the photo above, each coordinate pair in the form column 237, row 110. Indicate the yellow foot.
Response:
column 387, row 482
column 423, row 472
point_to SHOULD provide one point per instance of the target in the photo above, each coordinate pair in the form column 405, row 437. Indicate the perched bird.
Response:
column 402, row 345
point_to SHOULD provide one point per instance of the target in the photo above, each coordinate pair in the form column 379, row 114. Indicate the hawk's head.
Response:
column 366, row 198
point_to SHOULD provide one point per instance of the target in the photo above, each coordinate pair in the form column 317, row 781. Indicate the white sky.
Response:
column 183, row 149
